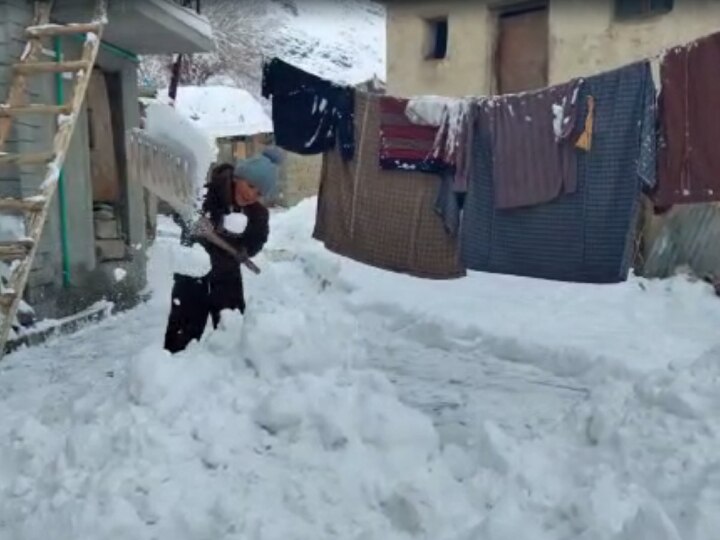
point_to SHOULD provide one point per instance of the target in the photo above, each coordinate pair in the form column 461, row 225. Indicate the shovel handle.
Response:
column 204, row 229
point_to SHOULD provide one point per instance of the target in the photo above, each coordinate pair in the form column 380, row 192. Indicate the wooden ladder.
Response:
column 21, row 253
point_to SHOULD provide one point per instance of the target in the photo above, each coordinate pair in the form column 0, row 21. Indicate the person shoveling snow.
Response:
column 232, row 212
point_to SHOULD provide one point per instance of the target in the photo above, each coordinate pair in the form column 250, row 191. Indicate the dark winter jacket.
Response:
column 217, row 204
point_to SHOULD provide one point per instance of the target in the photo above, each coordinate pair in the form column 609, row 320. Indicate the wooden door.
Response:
column 101, row 138
column 522, row 50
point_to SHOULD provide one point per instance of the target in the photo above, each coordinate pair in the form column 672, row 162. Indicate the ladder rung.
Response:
column 31, row 68
column 5, row 110
column 62, row 29
column 30, row 204
column 38, row 158
column 12, row 251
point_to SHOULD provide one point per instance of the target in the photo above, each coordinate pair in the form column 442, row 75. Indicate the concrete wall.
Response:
column 585, row 38
column 29, row 134
column 299, row 178
column 91, row 279
column 466, row 67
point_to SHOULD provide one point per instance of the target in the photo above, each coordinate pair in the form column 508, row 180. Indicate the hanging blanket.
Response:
column 309, row 113
column 584, row 236
column 379, row 217
column 689, row 164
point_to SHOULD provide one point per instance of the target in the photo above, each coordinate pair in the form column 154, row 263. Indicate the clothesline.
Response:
column 544, row 183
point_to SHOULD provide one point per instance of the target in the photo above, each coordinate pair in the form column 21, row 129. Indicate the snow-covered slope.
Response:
column 342, row 40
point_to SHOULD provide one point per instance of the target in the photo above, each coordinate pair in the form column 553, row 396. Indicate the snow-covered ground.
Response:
column 354, row 403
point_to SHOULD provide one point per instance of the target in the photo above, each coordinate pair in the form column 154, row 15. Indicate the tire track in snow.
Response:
column 453, row 377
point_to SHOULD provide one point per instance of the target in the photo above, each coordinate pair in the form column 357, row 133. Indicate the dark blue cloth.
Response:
column 309, row 113
column 448, row 203
column 586, row 236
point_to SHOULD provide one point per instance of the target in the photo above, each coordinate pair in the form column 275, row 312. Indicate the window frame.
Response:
column 432, row 27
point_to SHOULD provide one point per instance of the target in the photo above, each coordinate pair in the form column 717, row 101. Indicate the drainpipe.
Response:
column 64, row 239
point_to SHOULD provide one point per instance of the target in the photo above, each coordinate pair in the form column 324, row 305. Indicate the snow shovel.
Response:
column 161, row 170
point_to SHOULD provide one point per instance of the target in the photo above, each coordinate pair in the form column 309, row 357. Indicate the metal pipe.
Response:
column 62, row 201
column 117, row 51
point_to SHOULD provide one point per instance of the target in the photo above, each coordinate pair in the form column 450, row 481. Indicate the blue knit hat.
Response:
column 262, row 170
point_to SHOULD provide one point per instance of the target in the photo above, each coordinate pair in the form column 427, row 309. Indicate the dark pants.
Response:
column 193, row 300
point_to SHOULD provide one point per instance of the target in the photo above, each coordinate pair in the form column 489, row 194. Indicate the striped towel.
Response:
column 404, row 145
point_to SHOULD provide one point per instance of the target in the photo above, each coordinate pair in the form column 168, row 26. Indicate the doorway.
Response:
column 105, row 173
column 521, row 50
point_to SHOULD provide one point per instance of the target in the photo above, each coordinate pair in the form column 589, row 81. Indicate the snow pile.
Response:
column 199, row 447
column 235, row 222
column 629, row 329
column 178, row 133
column 663, row 432
column 625, row 465
column 636, row 458
column 263, row 430
column 581, row 412
column 221, row 111
column 119, row 274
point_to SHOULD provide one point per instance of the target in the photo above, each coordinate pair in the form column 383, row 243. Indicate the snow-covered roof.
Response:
column 343, row 41
column 221, row 111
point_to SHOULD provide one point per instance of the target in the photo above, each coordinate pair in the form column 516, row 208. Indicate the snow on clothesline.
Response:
column 446, row 113
column 449, row 113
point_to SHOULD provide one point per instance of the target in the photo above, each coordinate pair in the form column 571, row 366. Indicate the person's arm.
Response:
column 186, row 237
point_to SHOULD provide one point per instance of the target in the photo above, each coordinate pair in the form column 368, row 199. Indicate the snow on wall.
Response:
column 12, row 228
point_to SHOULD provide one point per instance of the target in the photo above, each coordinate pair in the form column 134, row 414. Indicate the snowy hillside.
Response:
column 342, row 40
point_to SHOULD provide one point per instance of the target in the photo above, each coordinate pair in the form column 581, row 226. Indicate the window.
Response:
column 437, row 38
column 625, row 9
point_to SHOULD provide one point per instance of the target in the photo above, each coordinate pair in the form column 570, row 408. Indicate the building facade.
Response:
column 480, row 47
column 97, row 224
